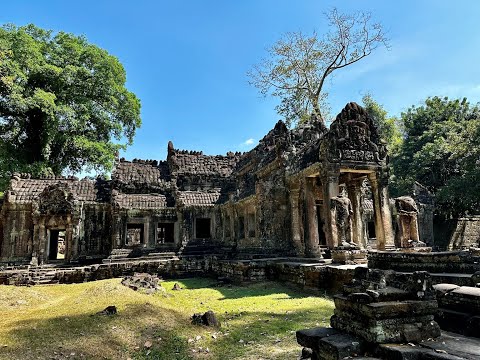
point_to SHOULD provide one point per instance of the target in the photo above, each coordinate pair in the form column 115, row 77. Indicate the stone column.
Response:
column 42, row 243
column 71, row 242
column 312, row 246
column 296, row 233
column 355, row 196
column 330, row 190
column 381, row 208
column 116, row 238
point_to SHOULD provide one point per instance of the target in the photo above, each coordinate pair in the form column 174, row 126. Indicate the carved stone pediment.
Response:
column 56, row 199
column 353, row 137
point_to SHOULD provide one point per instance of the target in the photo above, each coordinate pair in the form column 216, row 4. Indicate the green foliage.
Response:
column 298, row 65
column 63, row 103
column 441, row 150
column 389, row 128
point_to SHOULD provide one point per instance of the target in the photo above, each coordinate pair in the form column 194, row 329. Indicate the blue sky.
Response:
column 187, row 60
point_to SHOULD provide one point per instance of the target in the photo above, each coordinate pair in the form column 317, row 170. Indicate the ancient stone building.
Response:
column 297, row 193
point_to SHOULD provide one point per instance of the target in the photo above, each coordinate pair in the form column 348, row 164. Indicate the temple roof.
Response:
column 199, row 198
column 25, row 190
column 142, row 173
column 140, row 201
column 195, row 163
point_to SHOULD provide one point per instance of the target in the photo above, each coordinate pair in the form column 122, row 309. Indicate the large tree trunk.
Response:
column 36, row 140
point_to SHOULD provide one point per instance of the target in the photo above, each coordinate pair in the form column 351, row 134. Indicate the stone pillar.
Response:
column 330, row 190
column 146, row 234
column 312, row 246
column 116, row 241
column 355, row 196
column 383, row 217
column 71, row 243
column 296, row 232
column 42, row 243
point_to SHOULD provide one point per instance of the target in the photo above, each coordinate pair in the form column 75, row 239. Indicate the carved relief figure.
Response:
column 55, row 199
column 354, row 137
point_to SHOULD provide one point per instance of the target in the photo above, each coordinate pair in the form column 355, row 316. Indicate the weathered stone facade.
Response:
column 277, row 199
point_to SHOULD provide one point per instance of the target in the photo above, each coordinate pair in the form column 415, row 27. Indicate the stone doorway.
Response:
column 57, row 244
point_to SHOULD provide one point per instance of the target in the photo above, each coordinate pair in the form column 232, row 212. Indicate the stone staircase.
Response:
column 198, row 248
column 123, row 255
column 34, row 276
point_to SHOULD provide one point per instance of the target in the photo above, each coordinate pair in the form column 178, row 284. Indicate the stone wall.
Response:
column 306, row 275
column 466, row 233
column 94, row 230
column 453, row 262
column 17, row 225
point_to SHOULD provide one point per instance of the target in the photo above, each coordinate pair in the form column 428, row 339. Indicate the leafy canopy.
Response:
column 441, row 150
column 389, row 127
column 298, row 64
column 63, row 103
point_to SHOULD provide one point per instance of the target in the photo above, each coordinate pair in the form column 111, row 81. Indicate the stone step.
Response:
column 142, row 258
column 162, row 254
column 45, row 282
column 330, row 344
column 386, row 310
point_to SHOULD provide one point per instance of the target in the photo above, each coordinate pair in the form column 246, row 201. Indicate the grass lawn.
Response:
column 60, row 321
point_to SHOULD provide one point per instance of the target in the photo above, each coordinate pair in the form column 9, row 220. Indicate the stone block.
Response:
column 444, row 288
column 385, row 310
column 340, row 346
column 394, row 330
column 310, row 337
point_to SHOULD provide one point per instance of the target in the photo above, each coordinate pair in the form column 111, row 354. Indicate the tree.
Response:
column 298, row 64
column 441, row 150
column 389, row 128
column 63, row 103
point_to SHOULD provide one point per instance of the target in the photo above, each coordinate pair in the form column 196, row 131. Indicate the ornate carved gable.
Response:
column 56, row 199
column 353, row 136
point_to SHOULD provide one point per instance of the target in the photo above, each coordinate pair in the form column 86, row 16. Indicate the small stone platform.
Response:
column 459, row 309
column 331, row 344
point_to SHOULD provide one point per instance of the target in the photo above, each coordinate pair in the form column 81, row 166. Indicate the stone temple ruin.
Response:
column 297, row 193
column 292, row 209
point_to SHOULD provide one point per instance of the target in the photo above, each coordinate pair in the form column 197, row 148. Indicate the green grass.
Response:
column 58, row 322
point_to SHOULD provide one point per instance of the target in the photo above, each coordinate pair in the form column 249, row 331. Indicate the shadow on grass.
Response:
column 263, row 335
column 116, row 337
column 265, row 288
column 96, row 336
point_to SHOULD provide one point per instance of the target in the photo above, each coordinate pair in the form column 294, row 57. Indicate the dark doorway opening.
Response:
column 165, row 233
column 134, row 234
column 241, row 227
column 227, row 226
column 202, row 228
column 371, row 230
column 57, row 245
column 251, row 225
column 322, row 239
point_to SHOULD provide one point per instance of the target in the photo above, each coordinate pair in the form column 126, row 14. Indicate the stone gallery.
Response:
column 301, row 192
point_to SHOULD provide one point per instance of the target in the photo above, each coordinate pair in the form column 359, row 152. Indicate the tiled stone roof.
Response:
column 140, row 201
column 27, row 190
column 185, row 163
column 140, row 172
column 199, row 198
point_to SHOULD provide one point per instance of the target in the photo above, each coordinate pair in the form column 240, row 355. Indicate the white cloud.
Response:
column 247, row 143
